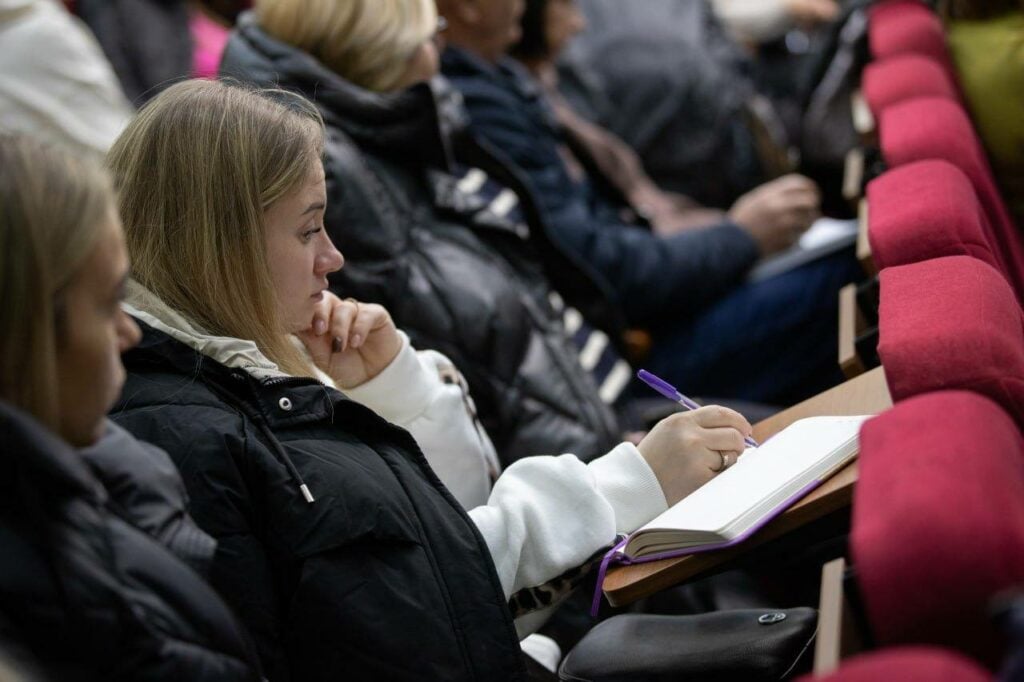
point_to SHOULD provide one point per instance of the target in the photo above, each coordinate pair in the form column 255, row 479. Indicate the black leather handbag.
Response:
column 747, row 645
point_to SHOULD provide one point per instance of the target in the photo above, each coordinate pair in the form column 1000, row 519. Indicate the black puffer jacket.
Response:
column 456, row 277
column 383, row 576
column 83, row 590
column 147, row 42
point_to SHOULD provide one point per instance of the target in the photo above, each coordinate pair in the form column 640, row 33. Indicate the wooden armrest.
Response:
column 853, row 175
column 863, row 244
column 851, row 325
column 863, row 119
column 837, row 633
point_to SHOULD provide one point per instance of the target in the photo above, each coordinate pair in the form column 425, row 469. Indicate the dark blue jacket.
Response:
column 652, row 277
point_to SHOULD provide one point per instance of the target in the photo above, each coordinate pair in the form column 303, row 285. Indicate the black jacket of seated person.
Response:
column 454, row 275
column 89, row 586
column 383, row 577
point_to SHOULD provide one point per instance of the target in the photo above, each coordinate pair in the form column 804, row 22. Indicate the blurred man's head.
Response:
column 487, row 28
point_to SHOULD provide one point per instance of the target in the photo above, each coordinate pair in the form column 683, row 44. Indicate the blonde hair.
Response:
column 368, row 42
column 195, row 172
column 52, row 209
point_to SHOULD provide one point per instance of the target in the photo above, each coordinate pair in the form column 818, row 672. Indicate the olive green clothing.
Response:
column 989, row 57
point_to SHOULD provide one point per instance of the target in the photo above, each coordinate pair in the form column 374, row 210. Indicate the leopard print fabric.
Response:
column 530, row 599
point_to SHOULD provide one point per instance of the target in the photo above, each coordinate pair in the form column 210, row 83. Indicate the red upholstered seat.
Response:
column 951, row 323
column 938, row 128
column 926, row 209
column 904, row 76
column 938, row 521
column 907, row 664
column 907, row 27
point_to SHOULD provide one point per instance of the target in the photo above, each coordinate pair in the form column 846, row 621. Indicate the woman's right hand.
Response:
column 685, row 449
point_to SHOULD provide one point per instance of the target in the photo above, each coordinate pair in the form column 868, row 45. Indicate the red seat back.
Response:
column 907, row 27
column 907, row 664
column 951, row 323
column 904, row 76
column 938, row 521
column 927, row 209
column 938, row 128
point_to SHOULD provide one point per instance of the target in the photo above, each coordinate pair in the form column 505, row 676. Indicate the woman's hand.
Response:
column 352, row 342
column 686, row 449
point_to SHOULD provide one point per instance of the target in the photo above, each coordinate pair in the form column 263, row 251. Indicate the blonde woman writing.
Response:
column 339, row 547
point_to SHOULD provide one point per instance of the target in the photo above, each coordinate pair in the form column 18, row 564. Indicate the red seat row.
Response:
column 938, row 510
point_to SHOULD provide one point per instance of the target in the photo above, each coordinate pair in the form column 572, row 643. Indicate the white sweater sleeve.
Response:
column 424, row 394
column 549, row 514
column 756, row 20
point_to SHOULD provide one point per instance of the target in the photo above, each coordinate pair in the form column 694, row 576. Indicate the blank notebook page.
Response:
column 760, row 473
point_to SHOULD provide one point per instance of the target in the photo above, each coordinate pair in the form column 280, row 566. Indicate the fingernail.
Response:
column 337, row 345
column 319, row 327
column 357, row 340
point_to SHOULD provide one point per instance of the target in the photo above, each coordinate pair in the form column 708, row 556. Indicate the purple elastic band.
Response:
column 616, row 554
column 612, row 555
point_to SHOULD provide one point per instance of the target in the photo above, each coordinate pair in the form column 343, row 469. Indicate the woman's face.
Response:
column 95, row 331
column 562, row 21
column 299, row 251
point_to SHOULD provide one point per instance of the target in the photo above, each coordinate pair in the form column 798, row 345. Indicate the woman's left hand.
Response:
column 351, row 341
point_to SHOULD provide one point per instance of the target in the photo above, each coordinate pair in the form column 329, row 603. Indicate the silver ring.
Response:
column 723, row 465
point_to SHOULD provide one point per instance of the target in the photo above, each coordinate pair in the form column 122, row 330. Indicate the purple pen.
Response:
column 672, row 393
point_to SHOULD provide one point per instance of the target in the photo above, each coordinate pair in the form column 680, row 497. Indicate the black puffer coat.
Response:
column 383, row 576
column 147, row 42
column 83, row 590
column 455, row 276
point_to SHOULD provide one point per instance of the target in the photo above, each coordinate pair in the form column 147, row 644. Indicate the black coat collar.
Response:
column 415, row 123
column 279, row 402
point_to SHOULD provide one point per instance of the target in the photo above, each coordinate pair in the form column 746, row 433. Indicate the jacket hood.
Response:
column 230, row 352
column 415, row 123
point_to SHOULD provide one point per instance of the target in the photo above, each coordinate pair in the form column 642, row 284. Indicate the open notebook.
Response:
column 764, row 482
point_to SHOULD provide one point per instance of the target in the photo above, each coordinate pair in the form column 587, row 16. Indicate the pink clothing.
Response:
column 209, row 39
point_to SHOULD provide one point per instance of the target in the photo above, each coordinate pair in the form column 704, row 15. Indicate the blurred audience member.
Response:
column 55, row 81
column 667, row 78
column 147, row 41
column 90, row 519
column 547, row 28
column 433, row 226
column 770, row 341
column 154, row 43
column 986, row 38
